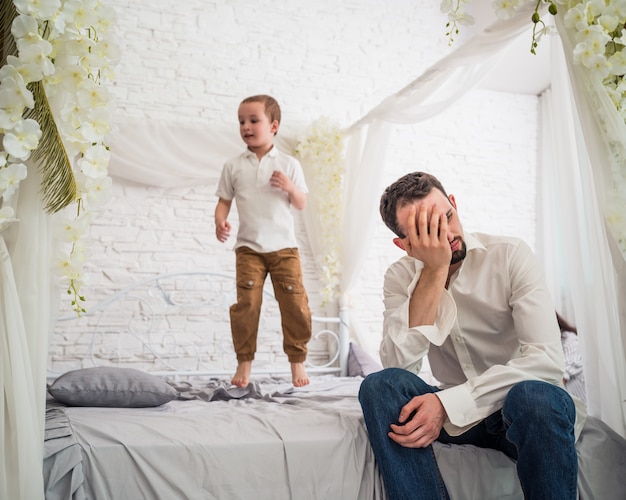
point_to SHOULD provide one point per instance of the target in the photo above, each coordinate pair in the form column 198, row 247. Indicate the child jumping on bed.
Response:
column 265, row 183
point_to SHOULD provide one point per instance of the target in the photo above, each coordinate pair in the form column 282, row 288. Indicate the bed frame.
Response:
column 178, row 324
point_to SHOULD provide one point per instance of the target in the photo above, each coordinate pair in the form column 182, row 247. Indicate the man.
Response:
column 478, row 306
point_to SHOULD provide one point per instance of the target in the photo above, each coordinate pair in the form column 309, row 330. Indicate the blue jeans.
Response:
column 535, row 428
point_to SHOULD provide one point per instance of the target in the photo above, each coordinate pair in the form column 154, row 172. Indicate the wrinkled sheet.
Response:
column 272, row 441
column 267, row 441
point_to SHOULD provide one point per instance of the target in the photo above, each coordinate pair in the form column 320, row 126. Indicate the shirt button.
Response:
column 250, row 283
column 289, row 287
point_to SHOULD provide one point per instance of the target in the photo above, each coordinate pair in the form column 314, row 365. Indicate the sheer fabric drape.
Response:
column 26, row 303
column 583, row 263
column 431, row 93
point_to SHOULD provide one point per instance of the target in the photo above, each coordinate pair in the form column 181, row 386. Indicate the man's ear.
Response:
column 452, row 201
column 399, row 243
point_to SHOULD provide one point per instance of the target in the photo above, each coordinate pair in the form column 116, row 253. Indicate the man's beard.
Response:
column 459, row 255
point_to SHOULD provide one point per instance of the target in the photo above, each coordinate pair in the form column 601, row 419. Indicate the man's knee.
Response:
column 390, row 381
column 536, row 400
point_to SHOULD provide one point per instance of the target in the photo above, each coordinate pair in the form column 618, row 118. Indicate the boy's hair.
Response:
column 272, row 109
column 405, row 190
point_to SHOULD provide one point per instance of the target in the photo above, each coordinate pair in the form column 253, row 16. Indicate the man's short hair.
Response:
column 405, row 190
column 272, row 109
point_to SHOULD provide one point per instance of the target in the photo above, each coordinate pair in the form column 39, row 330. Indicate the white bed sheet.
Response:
column 277, row 442
column 285, row 445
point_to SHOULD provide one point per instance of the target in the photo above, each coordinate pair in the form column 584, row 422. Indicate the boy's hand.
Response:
column 281, row 181
column 222, row 230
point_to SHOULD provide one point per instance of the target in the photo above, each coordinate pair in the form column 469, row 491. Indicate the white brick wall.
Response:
column 195, row 60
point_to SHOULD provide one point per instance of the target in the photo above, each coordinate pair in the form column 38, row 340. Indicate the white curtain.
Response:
column 585, row 268
column 431, row 93
column 26, row 302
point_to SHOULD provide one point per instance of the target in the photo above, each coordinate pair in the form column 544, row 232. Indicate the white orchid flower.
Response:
column 7, row 215
column 43, row 9
column 14, row 88
column 609, row 22
column 95, row 161
column 595, row 37
column 22, row 139
column 35, row 50
column 80, row 13
column 72, row 229
column 97, row 191
column 69, row 266
column 25, row 26
column 97, row 124
column 10, row 110
column 91, row 95
column 595, row 8
column 71, row 77
column 10, row 177
column 576, row 17
column 618, row 64
column 65, row 44
column 505, row 9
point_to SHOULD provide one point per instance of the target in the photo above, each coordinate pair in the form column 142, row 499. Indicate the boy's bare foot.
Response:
column 298, row 375
column 241, row 378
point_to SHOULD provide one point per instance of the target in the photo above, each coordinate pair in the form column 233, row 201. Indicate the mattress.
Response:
column 270, row 441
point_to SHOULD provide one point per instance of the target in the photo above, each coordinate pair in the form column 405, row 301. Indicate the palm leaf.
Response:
column 58, row 185
column 7, row 42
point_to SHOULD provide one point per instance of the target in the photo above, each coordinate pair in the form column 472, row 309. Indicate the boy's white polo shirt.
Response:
column 265, row 215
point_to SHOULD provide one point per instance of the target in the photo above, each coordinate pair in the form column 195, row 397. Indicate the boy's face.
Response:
column 254, row 125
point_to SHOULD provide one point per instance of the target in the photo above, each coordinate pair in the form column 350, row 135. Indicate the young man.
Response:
column 478, row 307
column 265, row 183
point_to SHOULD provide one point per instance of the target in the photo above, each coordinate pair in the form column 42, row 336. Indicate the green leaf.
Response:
column 7, row 42
column 58, row 185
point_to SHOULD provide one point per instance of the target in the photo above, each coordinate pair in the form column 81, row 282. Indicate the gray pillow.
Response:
column 111, row 387
column 360, row 363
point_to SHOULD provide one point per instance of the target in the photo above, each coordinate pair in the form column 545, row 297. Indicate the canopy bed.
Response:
column 29, row 293
column 146, row 410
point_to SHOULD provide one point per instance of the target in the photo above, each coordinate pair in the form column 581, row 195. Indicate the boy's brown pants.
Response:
column 285, row 270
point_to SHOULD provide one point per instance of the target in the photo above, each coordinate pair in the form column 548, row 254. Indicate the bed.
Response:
column 143, row 409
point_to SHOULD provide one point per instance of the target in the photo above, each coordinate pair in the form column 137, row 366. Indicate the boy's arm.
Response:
column 222, row 226
column 297, row 198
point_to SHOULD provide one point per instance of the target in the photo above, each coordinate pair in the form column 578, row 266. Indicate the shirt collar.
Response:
column 271, row 153
column 472, row 242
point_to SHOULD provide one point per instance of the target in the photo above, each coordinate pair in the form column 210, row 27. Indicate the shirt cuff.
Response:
column 446, row 314
column 460, row 408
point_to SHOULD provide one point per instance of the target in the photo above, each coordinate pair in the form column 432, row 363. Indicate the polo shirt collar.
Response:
column 271, row 153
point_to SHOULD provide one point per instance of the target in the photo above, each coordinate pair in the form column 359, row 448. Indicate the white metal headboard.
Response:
column 179, row 324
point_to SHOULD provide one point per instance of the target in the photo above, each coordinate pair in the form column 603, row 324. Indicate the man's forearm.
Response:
column 426, row 297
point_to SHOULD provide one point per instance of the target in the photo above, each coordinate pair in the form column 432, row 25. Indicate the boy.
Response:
column 265, row 183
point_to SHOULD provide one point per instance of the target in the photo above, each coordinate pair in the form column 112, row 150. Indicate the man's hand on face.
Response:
column 427, row 238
